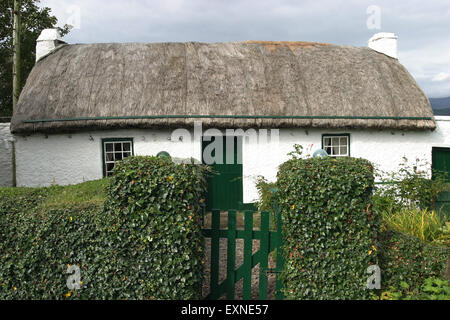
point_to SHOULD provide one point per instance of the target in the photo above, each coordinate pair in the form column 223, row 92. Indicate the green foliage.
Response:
column 404, row 258
column 414, row 239
column 87, row 193
column 435, row 289
column 444, row 237
column 33, row 20
column 29, row 240
column 408, row 187
column 329, row 229
column 267, row 200
column 144, row 243
column 266, row 191
column 432, row 289
column 36, row 247
column 297, row 153
column 424, row 224
column 155, row 214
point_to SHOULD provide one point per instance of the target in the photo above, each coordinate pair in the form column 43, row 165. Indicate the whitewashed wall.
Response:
column 43, row 160
column 68, row 159
column 6, row 140
column 384, row 148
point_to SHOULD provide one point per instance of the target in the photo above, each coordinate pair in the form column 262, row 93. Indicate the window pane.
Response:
column 335, row 141
column 334, row 150
column 109, row 156
column 343, row 150
column 108, row 146
column 109, row 166
column 115, row 151
column 328, row 150
column 327, row 142
column 343, row 141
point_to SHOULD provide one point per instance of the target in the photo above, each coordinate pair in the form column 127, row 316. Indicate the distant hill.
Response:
column 440, row 106
column 442, row 112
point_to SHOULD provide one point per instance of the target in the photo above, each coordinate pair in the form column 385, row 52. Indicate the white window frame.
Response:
column 123, row 154
column 339, row 146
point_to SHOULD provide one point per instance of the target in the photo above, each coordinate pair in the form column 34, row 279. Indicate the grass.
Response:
column 425, row 224
column 86, row 193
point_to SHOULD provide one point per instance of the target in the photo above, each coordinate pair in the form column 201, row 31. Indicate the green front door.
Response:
column 225, row 185
column 441, row 161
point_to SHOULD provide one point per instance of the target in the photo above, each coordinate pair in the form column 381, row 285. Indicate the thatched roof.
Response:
column 243, row 84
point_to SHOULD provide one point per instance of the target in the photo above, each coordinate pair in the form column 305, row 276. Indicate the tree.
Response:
column 33, row 21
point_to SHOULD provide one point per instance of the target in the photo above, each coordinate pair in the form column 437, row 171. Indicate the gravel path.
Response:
column 239, row 261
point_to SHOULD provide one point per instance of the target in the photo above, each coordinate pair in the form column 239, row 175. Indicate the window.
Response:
column 115, row 150
column 336, row 145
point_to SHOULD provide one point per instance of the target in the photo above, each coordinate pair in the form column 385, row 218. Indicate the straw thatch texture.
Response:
column 253, row 78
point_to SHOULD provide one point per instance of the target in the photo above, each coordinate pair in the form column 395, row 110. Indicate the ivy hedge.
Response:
column 404, row 258
column 329, row 228
column 37, row 248
column 155, row 214
column 144, row 243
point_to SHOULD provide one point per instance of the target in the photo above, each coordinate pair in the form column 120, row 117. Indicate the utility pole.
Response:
column 16, row 76
column 16, row 53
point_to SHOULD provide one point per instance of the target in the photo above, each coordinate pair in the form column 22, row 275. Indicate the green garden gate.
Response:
column 270, row 239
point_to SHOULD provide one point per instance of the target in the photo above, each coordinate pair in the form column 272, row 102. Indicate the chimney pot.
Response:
column 386, row 43
column 48, row 40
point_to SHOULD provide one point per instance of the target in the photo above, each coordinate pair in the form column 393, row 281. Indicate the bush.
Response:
column 432, row 289
column 36, row 245
column 404, row 258
column 329, row 229
column 409, row 187
column 145, row 243
column 266, row 192
column 155, row 210
column 424, row 224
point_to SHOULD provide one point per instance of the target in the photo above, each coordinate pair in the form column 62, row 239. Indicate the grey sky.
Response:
column 422, row 26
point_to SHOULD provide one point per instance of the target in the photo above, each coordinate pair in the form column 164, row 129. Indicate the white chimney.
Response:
column 48, row 40
column 386, row 43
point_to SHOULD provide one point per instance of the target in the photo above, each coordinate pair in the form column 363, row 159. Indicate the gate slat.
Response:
column 264, row 248
column 279, row 260
column 248, row 244
column 269, row 241
column 215, row 238
column 231, row 254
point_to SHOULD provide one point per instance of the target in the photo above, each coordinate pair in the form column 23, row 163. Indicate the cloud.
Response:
column 442, row 76
column 422, row 26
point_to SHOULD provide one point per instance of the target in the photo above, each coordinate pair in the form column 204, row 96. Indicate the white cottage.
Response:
column 86, row 106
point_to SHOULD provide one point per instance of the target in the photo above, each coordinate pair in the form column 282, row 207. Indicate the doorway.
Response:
column 224, row 155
